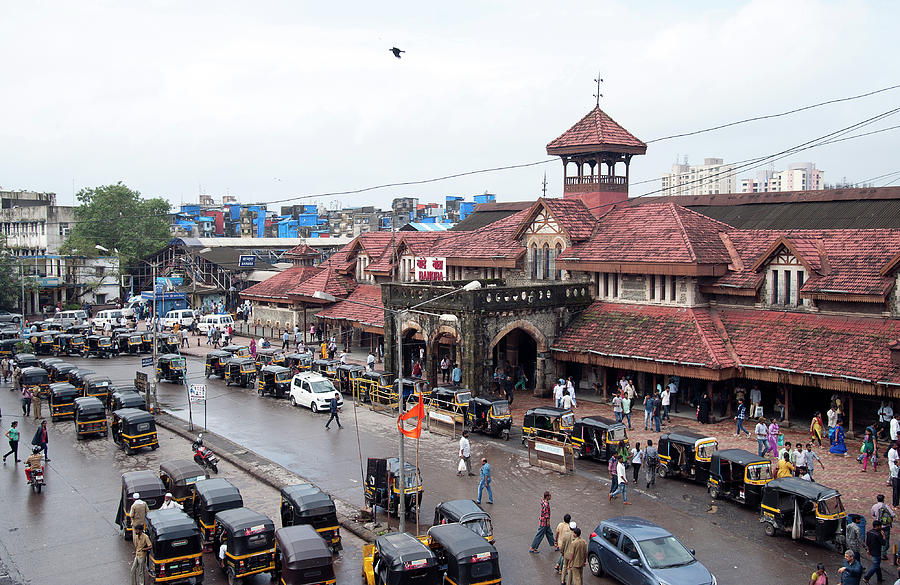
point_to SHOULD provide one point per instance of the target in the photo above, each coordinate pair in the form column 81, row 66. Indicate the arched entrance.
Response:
column 414, row 347
column 516, row 350
column 444, row 344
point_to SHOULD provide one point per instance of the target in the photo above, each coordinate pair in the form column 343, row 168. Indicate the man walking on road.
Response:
column 543, row 526
column 874, row 542
column 456, row 376
column 13, row 435
column 576, row 557
column 762, row 445
column 142, row 547
column 623, row 483
column 884, row 515
column 741, row 417
column 485, row 482
column 563, row 537
column 851, row 571
column 854, row 536
column 651, row 463
column 465, row 453
column 333, row 409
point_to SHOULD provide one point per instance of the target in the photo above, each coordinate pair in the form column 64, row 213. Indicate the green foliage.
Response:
column 117, row 217
column 10, row 281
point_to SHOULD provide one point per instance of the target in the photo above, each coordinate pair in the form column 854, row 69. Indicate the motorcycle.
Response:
column 35, row 478
column 203, row 456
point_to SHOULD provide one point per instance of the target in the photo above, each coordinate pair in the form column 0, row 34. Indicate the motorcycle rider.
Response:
column 35, row 461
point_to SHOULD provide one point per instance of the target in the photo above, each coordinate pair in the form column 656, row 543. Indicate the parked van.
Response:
column 111, row 316
column 220, row 321
column 131, row 305
column 67, row 318
column 184, row 318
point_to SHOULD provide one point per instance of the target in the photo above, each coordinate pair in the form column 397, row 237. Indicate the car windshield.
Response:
column 761, row 471
column 321, row 386
column 480, row 526
column 616, row 435
column 665, row 552
column 500, row 408
column 831, row 506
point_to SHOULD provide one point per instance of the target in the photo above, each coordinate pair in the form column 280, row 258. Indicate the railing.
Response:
column 594, row 182
column 548, row 295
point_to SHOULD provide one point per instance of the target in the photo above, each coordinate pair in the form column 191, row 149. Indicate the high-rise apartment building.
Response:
column 797, row 177
column 713, row 176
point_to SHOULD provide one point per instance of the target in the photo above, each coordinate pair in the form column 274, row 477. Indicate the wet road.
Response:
column 729, row 540
column 66, row 535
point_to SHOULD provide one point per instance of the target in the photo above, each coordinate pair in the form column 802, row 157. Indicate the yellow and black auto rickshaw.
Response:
column 167, row 343
column 274, row 381
column 36, row 380
column 467, row 513
column 146, row 484
column 133, row 429
column 327, row 368
column 97, row 385
column 597, row 437
column 171, row 367
column 90, row 417
column 307, row 504
column 212, row 496
column 100, row 346
column 240, row 351
column 302, row 558
column 412, row 388
column 126, row 398
column 240, row 371
column 548, row 422
column 215, row 363
column 805, row 509
column 346, row 375
column 465, row 558
column 248, row 538
column 180, row 476
column 176, row 555
column 26, row 360
column 738, row 475
column 400, row 558
column 147, row 341
column 383, row 486
column 59, row 371
column 684, row 453
column 129, row 343
column 68, row 344
column 376, row 387
column 62, row 400
column 452, row 399
column 269, row 357
column 8, row 347
column 489, row 415
column 42, row 343
column 77, row 376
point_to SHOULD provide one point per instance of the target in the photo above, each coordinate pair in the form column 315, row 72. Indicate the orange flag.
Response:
column 418, row 411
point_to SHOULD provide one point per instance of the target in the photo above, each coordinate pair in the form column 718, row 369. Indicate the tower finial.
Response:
column 598, row 95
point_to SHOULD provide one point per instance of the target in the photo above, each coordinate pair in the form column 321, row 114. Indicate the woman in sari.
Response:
column 837, row 442
column 772, row 435
column 816, row 428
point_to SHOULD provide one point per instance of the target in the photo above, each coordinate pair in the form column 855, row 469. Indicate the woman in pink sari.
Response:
column 772, row 435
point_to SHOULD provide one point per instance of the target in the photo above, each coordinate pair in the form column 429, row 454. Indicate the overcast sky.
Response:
column 266, row 100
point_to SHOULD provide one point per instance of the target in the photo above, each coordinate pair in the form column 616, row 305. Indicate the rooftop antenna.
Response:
column 545, row 184
column 598, row 95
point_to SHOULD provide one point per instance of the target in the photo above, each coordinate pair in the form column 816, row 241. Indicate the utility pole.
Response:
column 401, row 508
column 155, row 341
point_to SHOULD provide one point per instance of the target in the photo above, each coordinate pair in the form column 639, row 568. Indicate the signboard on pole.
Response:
column 430, row 268
column 140, row 380
column 197, row 393
column 247, row 261
column 146, row 362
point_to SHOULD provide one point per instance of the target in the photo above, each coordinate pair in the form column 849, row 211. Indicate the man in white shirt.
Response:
column 570, row 386
column 755, row 399
column 673, row 395
column 666, row 400
column 370, row 362
column 895, row 426
column 761, row 437
column 894, row 466
column 465, row 453
column 170, row 504
column 558, row 392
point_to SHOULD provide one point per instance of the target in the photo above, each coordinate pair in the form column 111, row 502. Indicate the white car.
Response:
column 313, row 391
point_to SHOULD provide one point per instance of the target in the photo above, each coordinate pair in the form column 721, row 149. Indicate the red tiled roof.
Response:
column 596, row 131
column 344, row 310
column 301, row 250
column 647, row 332
column 863, row 194
column 278, row 286
column 663, row 233
column 492, row 241
column 572, row 215
column 327, row 280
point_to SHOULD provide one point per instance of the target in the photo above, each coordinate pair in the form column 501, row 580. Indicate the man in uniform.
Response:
column 138, row 511
column 576, row 556
column 142, row 546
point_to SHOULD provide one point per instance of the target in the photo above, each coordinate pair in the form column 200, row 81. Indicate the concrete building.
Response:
column 713, row 176
column 797, row 177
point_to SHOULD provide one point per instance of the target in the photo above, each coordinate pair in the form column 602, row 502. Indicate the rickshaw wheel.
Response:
column 594, row 565
column 505, row 434
column 154, row 447
column 227, row 382
column 769, row 529
column 232, row 580
column 713, row 492
column 129, row 450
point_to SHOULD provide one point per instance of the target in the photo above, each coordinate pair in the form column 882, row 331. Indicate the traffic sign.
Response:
column 146, row 362
column 197, row 393
column 247, row 261
column 140, row 381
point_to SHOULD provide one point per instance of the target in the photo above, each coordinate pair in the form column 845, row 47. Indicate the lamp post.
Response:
column 398, row 317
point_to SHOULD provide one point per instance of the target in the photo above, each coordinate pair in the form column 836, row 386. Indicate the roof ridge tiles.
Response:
column 684, row 236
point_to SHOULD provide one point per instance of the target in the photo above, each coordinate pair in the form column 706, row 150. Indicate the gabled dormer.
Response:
column 551, row 226
column 785, row 267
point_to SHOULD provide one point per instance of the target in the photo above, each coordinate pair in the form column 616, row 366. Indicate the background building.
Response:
column 797, row 177
column 712, row 177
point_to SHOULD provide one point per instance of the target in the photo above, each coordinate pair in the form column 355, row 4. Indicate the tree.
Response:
column 116, row 217
column 10, row 281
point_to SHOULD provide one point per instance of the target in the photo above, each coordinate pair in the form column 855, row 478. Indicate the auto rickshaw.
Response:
column 240, row 371
column 684, row 453
column 146, row 484
column 176, row 555
column 51, row 325
column 399, row 558
column 465, row 558
column 97, row 385
column 147, row 342
column 42, row 343
column 180, row 476
column 452, row 399
column 548, row 422
column 249, row 540
column 82, row 329
column 346, row 374
column 489, row 415
column 133, row 428
column 805, row 509
column 68, row 344
column 210, row 497
column 738, row 475
column 298, row 362
column 327, row 368
column 241, row 351
column 76, row 378
column 467, row 513
column 269, row 357
column 90, row 417
column 302, row 558
column 100, row 346
column 597, row 437
column 48, row 361
column 306, row 504
column 412, row 387
column 9, row 333
column 59, row 371
column 8, row 347
column 126, row 399
column 171, row 367
column 26, row 360
column 275, row 381
column 129, row 343
column 383, row 486
column 37, row 380
column 167, row 343
column 62, row 400
column 377, row 387
column 215, row 363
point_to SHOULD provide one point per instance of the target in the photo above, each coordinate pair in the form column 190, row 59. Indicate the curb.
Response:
column 258, row 467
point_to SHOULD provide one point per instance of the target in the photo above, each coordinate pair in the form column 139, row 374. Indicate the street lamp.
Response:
column 398, row 317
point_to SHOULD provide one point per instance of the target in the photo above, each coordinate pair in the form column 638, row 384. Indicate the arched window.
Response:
column 534, row 262
column 545, row 272
column 557, row 273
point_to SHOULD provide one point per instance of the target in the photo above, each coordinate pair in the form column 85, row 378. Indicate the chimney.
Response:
column 894, row 346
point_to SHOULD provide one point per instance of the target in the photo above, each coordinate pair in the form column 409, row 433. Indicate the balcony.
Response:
column 591, row 183
column 491, row 298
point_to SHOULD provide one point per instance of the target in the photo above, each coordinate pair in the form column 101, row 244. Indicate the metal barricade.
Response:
column 443, row 422
column 554, row 455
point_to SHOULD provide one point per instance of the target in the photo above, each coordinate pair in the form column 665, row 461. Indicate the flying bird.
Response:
column 396, row 52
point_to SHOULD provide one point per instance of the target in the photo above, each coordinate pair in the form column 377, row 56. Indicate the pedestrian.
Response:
column 35, row 403
column 894, row 429
column 637, row 459
column 370, row 362
column 755, row 400
column 617, row 407
column 784, row 467
column 741, row 416
column 657, row 410
column 626, row 410
column 651, row 463
column 417, row 370
column 333, row 409
column 138, row 511
column 563, row 536
column 170, row 504
column 4, row 369
column 703, row 409
column 613, row 470
column 285, row 340
column 576, row 557
column 868, row 451
column 665, row 400
column 543, row 526
column 623, row 483
column 772, row 437
column 566, row 401
column 893, row 458
column 570, row 386
column 852, row 571
column 558, row 394
column 648, row 410
column 142, row 547
column 799, row 460
column 673, row 394
column 253, row 348
column 884, row 515
column 456, row 376
column 811, row 459
column 465, row 454
column 26, row 401
column 485, row 482
column 445, row 370
column 854, row 535
column 819, row 576
column 13, row 436
column 836, row 437
column 41, row 438
column 874, row 542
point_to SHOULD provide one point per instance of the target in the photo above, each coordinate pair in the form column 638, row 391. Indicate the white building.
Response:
column 712, row 177
column 797, row 177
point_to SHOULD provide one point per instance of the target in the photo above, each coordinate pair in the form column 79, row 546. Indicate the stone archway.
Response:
column 519, row 345
column 526, row 326
column 415, row 344
column 445, row 341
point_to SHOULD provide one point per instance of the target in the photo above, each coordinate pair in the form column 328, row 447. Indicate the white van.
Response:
column 67, row 318
column 132, row 304
column 184, row 318
column 111, row 316
column 220, row 321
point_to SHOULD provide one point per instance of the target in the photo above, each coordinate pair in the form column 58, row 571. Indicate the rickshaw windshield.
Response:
column 78, row 339
column 322, row 386
column 463, row 397
column 500, row 408
column 665, row 552
column 385, row 380
column 760, row 471
column 831, row 506
column 615, row 435
column 283, row 377
column 243, row 352
column 247, row 368
column 567, row 420
column 480, row 526
column 177, row 363
column 705, row 450
column 412, row 480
